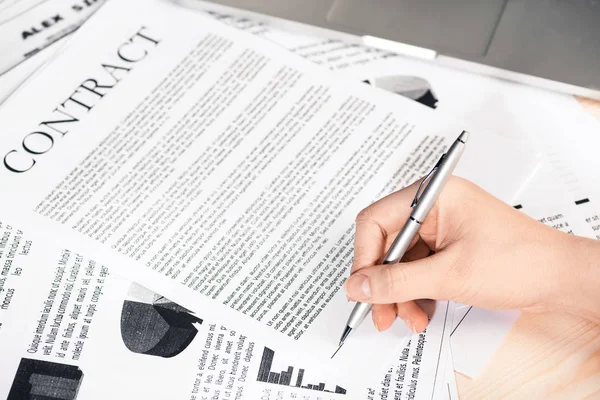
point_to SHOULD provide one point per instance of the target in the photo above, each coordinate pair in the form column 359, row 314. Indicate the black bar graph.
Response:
column 265, row 365
column 299, row 379
column 285, row 377
column 340, row 390
column 273, row 377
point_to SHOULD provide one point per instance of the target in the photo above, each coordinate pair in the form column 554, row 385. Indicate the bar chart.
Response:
column 284, row 377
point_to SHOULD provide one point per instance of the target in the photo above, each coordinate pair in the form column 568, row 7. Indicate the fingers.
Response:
column 383, row 316
column 398, row 283
column 376, row 223
column 413, row 316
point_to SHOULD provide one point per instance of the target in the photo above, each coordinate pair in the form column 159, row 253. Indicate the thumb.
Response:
column 398, row 283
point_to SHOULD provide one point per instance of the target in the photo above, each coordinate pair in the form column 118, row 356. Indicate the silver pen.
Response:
column 421, row 205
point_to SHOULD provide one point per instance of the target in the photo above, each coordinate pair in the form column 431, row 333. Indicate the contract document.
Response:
column 216, row 169
column 68, row 319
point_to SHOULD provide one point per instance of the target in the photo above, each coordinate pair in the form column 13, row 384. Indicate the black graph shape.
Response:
column 427, row 99
column 45, row 380
column 582, row 201
column 340, row 390
column 273, row 377
column 411, row 87
column 265, row 365
column 299, row 378
column 285, row 377
column 162, row 329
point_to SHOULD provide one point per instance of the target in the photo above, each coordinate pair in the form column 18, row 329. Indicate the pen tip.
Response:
column 347, row 331
column 338, row 349
column 464, row 136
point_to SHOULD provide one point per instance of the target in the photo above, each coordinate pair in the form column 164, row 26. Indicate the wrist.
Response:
column 582, row 272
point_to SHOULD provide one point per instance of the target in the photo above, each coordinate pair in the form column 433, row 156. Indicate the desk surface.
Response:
column 544, row 356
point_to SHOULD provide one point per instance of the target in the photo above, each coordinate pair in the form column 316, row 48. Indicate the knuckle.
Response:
column 368, row 228
column 394, row 279
column 364, row 215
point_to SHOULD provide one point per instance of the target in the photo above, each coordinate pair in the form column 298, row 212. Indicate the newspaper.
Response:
column 27, row 26
column 12, row 80
column 70, row 328
column 233, row 146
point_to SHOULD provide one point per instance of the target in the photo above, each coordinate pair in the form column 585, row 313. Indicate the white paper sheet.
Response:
column 477, row 337
column 590, row 215
column 229, row 192
column 13, row 79
column 570, row 137
column 27, row 27
column 488, row 104
column 587, row 206
column 12, row 8
column 72, row 152
column 460, row 312
column 572, row 153
column 553, row 123
column 550, row 189
column 482, row 103
column 461, row 100
column 104, row 337
column 420, row 371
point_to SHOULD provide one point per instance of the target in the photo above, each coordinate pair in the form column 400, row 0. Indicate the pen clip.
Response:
column 421, row 188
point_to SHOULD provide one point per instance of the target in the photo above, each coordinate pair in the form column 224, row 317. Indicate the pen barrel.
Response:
column 394, row 255
column 358, row 314
column 438, row 180
column 413, row 224
column 402, row 242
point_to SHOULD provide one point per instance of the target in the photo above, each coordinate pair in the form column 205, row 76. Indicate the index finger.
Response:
column 376, row 223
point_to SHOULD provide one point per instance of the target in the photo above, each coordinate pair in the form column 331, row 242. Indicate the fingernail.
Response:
column 414, row 328
column 409, row 324
column 357, row 287
column 377, row 326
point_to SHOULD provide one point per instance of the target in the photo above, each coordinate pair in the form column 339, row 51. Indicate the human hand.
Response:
column 487, row 254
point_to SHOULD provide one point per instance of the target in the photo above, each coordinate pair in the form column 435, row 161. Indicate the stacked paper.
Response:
column 181, row 190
